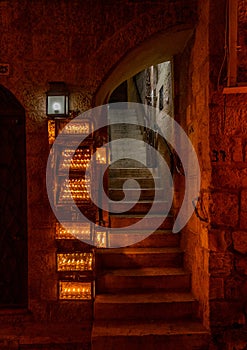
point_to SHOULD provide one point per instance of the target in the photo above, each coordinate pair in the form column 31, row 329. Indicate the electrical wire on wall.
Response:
column 226, row 49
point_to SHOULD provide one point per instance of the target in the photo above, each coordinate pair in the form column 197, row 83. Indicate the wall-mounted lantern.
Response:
column 57, row 101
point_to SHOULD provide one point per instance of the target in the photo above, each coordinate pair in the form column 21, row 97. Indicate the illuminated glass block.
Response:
column 77, row 127
column 75, row 290
column 101, row 156
column 74, row 261
column 100, row 239
column 75, row 160
column 51, row 131
column 73, row 230
column 77, row 189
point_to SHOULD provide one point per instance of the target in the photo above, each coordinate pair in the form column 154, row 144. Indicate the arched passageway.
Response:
column 159, row 48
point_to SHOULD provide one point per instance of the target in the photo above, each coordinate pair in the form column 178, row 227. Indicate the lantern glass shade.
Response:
column 57, row 101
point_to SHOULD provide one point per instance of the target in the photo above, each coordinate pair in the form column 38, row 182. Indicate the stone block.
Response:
column 224, row 209
column 229, row 177
column 237, row 150
column 216, row 288
column 244, row 201
column 49, row 289
column 219, row 240
column 241, row 265
column 243, row 220
column 40, row 216
column 220, row 263
column 225, row 313
column 240, row 241
column 243, row 214
column 67, row 311
column 234, row 288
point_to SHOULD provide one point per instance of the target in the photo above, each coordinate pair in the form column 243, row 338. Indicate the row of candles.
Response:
column 80, row 160
column 75, row 290
column 74, row 261
column 77, row 188
column 77, row 128
column 82, row 231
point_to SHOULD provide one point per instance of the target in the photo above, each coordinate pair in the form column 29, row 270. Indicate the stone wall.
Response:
column 191, row 74
column 216, row 248
column 93, row 47
column 227, row 233
column 80, row 43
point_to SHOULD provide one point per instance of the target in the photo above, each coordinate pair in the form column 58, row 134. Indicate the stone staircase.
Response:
column 143, row 293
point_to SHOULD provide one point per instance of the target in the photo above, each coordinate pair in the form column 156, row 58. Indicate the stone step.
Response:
column 126, row 133
column 142, row 206
column 146, row 193
column 118, row 258
column 128, row 153
column 132, row 172
column 126, row 122
column 123, row 135
column 133, row 335
column 148, row 306
column 128, row 156
column 125, row 162
column 159, row 239
column 121, row 114
column 117, row 182
column 150, row 222
column 126, row 126
column 143, row 239
column 144, row 279
column 124, row 146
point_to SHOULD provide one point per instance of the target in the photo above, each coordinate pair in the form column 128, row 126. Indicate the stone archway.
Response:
column 157, row 49
column 184, row 43
column 13, row 194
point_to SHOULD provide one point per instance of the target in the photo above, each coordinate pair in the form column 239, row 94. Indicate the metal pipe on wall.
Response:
column 233, row 38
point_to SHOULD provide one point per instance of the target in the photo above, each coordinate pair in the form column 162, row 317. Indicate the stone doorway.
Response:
column 13, row 207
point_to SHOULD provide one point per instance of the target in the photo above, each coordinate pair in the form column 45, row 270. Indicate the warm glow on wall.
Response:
column 101, row 156
column 74, row 261
column 78, row 188
column 75, row 290
column 77, row 160
column 101, row 239
column 77, row 128
column 51, row 131
column 74, row 230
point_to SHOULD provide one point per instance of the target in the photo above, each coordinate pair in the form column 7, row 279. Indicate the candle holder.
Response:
column 77, row 189
column 101, row 155
column 77, row 160
column 100, row 239
column 74, row 230
column 75, row 290
column 74, row 261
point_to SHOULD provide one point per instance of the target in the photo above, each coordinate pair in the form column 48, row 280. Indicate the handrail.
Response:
column 176, row 163
column 151, row 136
column 146, row 119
